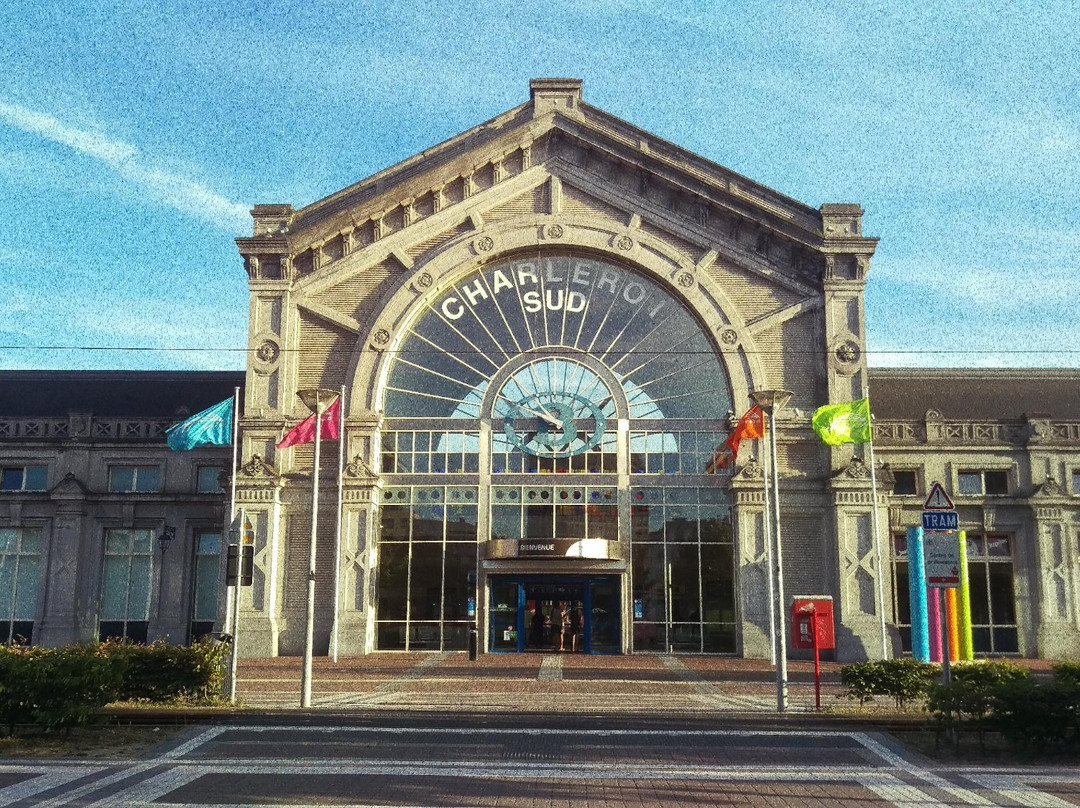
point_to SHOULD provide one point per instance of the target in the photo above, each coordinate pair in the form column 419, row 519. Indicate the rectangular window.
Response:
column 983, row 483
column 969, row 483
column 905, row 483
column 23, row 478
column 683, row 570
column 204, row 598
column 1076, row 482
column 139, row 479
column 677, row 453
column 996, row 482
column 430, row 452
column 124, row 608
column 209, row 480
column 427, row 566
column 20, row 565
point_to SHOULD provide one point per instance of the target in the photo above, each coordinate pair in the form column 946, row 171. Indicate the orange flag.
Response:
column 751, row 425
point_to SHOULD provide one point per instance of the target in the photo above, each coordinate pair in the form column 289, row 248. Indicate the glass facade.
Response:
column 426, row 578
column 683, row 570
column 555, row 365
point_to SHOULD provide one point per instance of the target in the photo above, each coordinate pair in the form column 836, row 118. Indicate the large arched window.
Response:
column 558, row 364
column 564, row 305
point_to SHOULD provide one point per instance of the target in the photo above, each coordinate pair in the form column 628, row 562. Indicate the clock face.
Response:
column 555, row 408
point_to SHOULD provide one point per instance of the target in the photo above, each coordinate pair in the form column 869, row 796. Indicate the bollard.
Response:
column 472, row 644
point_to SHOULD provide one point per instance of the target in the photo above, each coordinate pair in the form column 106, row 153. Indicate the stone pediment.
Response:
column 559, row 158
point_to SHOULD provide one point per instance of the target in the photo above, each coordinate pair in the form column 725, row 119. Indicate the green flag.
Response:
column 843, row 423
column 213, row 426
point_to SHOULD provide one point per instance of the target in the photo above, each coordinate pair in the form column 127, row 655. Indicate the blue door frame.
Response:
column 586, row 582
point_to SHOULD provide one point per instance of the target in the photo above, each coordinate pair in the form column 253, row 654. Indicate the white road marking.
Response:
column 44, row 778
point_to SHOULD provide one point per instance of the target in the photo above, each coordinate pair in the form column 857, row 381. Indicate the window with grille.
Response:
column 20, row 569
column 124, row 608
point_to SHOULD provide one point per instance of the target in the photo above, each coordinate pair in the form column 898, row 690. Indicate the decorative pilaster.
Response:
column 1056, row 565
column 752, row 558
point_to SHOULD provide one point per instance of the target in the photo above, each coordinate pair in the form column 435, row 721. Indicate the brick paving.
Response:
column 535, row 683
column 436, row 730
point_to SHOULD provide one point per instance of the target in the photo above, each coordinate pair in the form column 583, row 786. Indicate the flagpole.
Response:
column 768, row 553
column 231, row 595
column 337, row 527
column 309, row 626
column 877, row 530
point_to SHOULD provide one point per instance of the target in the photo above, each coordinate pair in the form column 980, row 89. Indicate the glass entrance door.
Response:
column 554, row 614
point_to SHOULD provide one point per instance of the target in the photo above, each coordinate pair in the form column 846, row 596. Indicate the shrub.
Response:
column 1039, row 715
column 1067, row 673
column 905, row 680
column 17, row 694
column 160, row 672
column 56, row 688
column 967, row 701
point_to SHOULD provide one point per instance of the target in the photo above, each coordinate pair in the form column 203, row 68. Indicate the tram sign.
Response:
column 941, row 551
column 940, row 520
column 938, row 511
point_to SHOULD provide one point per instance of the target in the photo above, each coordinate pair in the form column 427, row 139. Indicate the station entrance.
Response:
column 555, row 614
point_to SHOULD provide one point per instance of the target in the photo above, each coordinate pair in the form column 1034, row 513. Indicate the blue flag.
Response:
column 213, row 426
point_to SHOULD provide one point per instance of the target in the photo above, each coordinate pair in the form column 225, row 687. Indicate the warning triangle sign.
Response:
column 937, row 500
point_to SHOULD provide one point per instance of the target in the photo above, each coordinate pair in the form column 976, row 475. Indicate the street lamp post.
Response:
column 317, row 400
column 770, row 402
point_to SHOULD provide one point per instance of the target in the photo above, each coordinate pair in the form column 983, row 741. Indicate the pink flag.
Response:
column 304, row 432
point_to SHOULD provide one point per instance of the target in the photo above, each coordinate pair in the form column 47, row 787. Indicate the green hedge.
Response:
column 1004, row 698
column 56, row 688
column 60, row 688
column 160, row 672
column 903, row 680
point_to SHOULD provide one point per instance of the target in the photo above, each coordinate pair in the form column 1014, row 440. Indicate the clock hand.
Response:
column 542, row 414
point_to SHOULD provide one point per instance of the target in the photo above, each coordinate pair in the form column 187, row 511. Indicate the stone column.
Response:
column 856, row 601
column 1055, row 574
column 752, row 559
column 258, row 492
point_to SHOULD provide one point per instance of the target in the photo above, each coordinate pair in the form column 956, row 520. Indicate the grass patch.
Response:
column 94, row 742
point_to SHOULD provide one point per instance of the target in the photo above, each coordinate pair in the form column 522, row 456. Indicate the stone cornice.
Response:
column 85, row 429
column 974, row 433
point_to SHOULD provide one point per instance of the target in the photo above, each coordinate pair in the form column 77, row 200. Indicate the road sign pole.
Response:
column 946, row 670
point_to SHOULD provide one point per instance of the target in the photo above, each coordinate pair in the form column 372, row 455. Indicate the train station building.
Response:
column 542, row 330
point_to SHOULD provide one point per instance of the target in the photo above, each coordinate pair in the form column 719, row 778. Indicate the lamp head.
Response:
column 317, row 399
column 771, row 400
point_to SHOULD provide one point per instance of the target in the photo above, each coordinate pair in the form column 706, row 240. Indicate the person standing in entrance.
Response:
column 536, row 636
column 558, row 625
column 573, row 625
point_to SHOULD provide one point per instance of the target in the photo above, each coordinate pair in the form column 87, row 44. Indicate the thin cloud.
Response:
column 169, row 187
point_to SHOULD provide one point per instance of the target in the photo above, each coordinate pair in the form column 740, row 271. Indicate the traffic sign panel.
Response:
column 940, row 520
column 937, row 499
column 941, row 552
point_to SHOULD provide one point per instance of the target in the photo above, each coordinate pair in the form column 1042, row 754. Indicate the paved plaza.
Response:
column 438, row 731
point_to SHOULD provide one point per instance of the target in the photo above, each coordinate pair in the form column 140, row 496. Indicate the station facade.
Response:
column 543, row 328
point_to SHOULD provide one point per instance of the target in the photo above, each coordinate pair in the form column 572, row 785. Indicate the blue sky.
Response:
column 135, row 136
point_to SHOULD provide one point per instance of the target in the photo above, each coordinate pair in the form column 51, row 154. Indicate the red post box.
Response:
column 812, row 627
column 806, row 611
